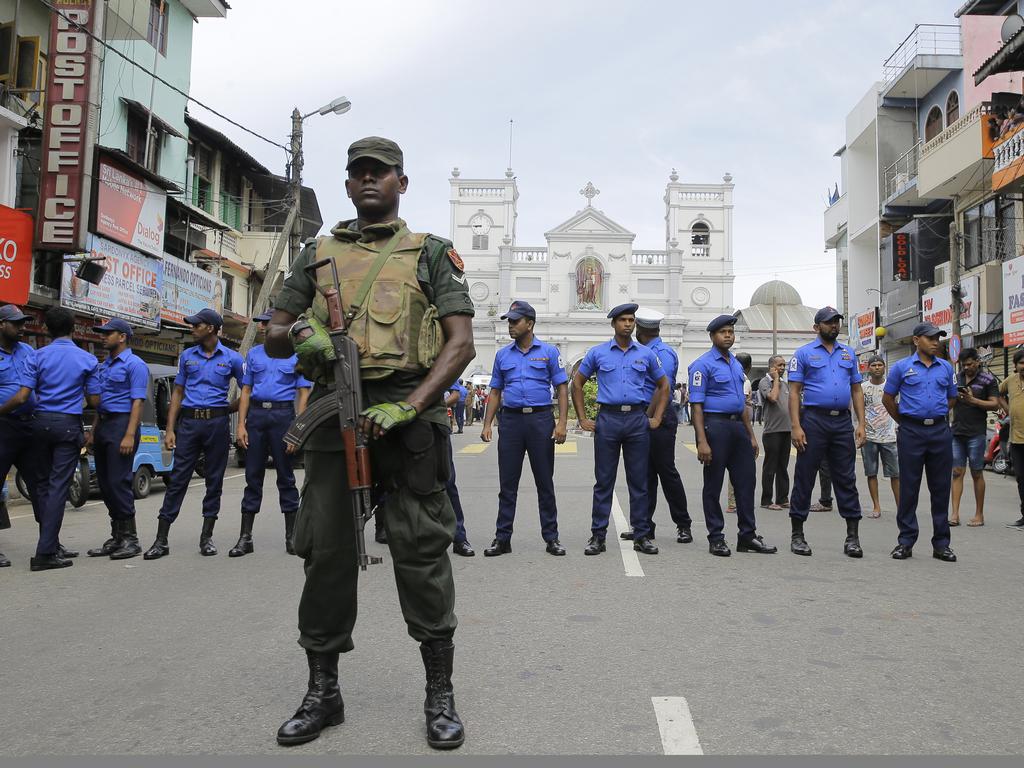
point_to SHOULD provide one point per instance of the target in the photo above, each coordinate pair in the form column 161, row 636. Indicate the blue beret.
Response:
column 623, row 309
column 720, row 322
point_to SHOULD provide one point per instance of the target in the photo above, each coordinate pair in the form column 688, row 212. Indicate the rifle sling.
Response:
column 375, row 268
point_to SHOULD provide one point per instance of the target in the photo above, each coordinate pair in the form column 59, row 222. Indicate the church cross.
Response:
column 590, row 192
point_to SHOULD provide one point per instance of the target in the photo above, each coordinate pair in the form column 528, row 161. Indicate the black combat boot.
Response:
column 289, row 532
column 160, row 546
column 322, row 705
column 852, row 546
column 444, row 728
column 206, row 546
column 129, row 546
column 799, row 545
column 244, row 545
column 108, row 546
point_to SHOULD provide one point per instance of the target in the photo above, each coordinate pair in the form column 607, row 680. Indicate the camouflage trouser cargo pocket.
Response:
column 425, row 466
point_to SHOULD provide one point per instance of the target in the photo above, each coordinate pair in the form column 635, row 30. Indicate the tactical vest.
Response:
column 396, row 328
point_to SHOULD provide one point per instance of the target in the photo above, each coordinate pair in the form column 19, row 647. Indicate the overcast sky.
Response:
column 610, row 92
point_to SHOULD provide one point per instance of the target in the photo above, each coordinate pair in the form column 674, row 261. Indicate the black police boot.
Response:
column 626, row 535
column 244, row 545
column 799, row 545
column 852, row 546
column 755, row 544
column 5, row 561
column 206, row 546
column 160, row 546
column 646, row 545
column 683, row 535
column 595, row 546
column 498, row 547
column 945, row 554
column 129, row 545
column 322, row 705
column 444, row 728
column 48, row 562
column 66, row 553
column 289, row 532
column 108, row 546
column 902, row 552
column 719, row 548
column 463, row 548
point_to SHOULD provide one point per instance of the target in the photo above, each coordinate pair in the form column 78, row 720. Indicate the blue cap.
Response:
column 518, row 309
column 720, row 322
column 12, row 313
column 623, row 309
column 264, row 317
column 114, row 324
column 825, row 314
column 928, row 329
column 205, row 316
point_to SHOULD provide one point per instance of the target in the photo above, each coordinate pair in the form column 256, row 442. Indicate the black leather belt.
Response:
column 623, row 408
column 528, row 409
column 17, row 416
column 828, row 411
column 203, row 414
column 723, row 416
column 923, row 422
column 272, row 404
column 104, row 415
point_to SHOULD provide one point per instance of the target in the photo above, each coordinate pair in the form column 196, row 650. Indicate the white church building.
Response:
column 589, row 265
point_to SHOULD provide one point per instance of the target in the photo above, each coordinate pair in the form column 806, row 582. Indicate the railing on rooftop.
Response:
column 650, row 258
column 902, row 171
column 956, row 127
column 537, row 255
column 925, row 40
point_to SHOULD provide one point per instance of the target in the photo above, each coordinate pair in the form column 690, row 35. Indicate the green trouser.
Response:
column 420, row 525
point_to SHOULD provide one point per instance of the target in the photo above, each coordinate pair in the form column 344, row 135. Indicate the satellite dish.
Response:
column 1013, row 24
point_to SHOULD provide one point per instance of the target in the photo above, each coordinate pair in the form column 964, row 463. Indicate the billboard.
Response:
column 67, row 117
column 188, row 289
column 901, row 255
column 131, row 289
column 862, row 331
column 15, row 255
column 937, row 307
column 1013, row 302
column 129, row 209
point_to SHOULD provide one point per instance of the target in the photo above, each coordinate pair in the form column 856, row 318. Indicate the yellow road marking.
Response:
column 475, row 448
column 566, row 448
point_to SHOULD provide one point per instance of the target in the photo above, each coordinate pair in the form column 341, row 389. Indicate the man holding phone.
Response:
column 977, row 394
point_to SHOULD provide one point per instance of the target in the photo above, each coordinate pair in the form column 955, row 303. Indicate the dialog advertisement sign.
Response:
column 937, row 306
column 862, row 333
column 129, row 209
column 131, row 289
column 187, row 289
column 1013, row 302
column 15, row 255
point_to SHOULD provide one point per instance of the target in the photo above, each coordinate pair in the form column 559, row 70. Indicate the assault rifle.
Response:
column 346, row 405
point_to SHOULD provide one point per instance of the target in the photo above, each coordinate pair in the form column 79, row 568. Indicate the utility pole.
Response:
column 295, row 186
column 954, row 272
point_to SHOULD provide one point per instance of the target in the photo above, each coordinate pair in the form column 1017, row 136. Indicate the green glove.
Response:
column 315, row 352
column 387, row 416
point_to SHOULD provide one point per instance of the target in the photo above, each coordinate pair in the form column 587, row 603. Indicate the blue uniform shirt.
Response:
column 924, row 390
column 63, row 373
column 272, row 379
column 669, row 361
column 826, row 378
column 119, row 380
column 206, row 379
column 463, row 392
column 526, row 378
column 621, row 374
column 716, row 381
column 15, row 373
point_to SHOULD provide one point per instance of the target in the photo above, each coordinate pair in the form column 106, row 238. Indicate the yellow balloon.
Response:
column 880, row 331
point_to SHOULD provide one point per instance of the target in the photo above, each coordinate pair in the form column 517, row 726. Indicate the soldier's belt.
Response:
column 203, row 414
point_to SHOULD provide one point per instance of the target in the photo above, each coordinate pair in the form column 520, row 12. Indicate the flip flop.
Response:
column 775, row 506
column 874, row 514
column 954, row 523
column 972, row 524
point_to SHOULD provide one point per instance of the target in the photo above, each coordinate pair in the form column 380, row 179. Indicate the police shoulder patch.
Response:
column 793, row 363
column 456, row 260
column 561, row 362
column 698, row 379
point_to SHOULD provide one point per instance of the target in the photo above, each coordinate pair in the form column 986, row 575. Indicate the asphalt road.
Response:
column 773, row 654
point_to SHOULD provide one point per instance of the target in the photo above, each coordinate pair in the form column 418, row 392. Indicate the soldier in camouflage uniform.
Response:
column 414, row 332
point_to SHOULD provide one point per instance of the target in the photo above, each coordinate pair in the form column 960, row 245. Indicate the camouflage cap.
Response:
column 384, row 150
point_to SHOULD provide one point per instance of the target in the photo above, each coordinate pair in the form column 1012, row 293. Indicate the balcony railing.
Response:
column 650, row 258
column 968, row 120
column 700, row 251
column 535, row 255
column 902, row 171
column 925, row 40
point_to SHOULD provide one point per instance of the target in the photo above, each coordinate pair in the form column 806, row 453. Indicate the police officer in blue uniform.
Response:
column 63, row 373
column 266, row 408
column 460, row 544
column 622, row 366
column 16, row 401
column 926, row 386
column 121, row 383
column 826, row 373
column 200, row 399
column 662, row 461
column 459, row 407
column 521, row 380
column 725, row 439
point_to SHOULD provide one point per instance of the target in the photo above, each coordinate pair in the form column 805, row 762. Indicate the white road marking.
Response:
column 201, row 481
column 630, row 560
column 678, row 733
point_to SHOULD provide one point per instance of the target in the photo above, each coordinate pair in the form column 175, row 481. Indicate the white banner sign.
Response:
column 937, row 307
column 131, row 288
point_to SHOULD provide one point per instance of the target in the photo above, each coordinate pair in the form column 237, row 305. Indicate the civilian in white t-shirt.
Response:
column 881, row 436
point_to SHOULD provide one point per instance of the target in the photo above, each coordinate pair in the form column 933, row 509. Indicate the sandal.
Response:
column 875, row 514
column 954, row 523
column 775, row 506
column 975, row 523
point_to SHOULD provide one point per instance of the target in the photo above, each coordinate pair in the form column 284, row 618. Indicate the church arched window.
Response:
column 701, row 234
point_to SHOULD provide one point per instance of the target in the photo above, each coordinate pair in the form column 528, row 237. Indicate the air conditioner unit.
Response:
column 942, row 274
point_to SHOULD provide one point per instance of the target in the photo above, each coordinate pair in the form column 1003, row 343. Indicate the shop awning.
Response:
column 141, row 110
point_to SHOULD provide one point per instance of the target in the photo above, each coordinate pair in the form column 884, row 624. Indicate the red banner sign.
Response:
column 15, row 255
column 129, row 209
column 66, row 148
column 901, row 256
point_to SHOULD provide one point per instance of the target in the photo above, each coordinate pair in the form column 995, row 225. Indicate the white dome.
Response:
column 783, row 293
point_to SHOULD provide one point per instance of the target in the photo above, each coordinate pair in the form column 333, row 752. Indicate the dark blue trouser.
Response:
column 730, row 450
column 829, row 438
column 521, row 435
column 57, row 441
column 924, row 450
column 460, row 415
column 114, row 472
column 630, row 432
column 266, row 428
column 662, row 464
column 16, row 450
column 453, row 496
column 195, row 436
